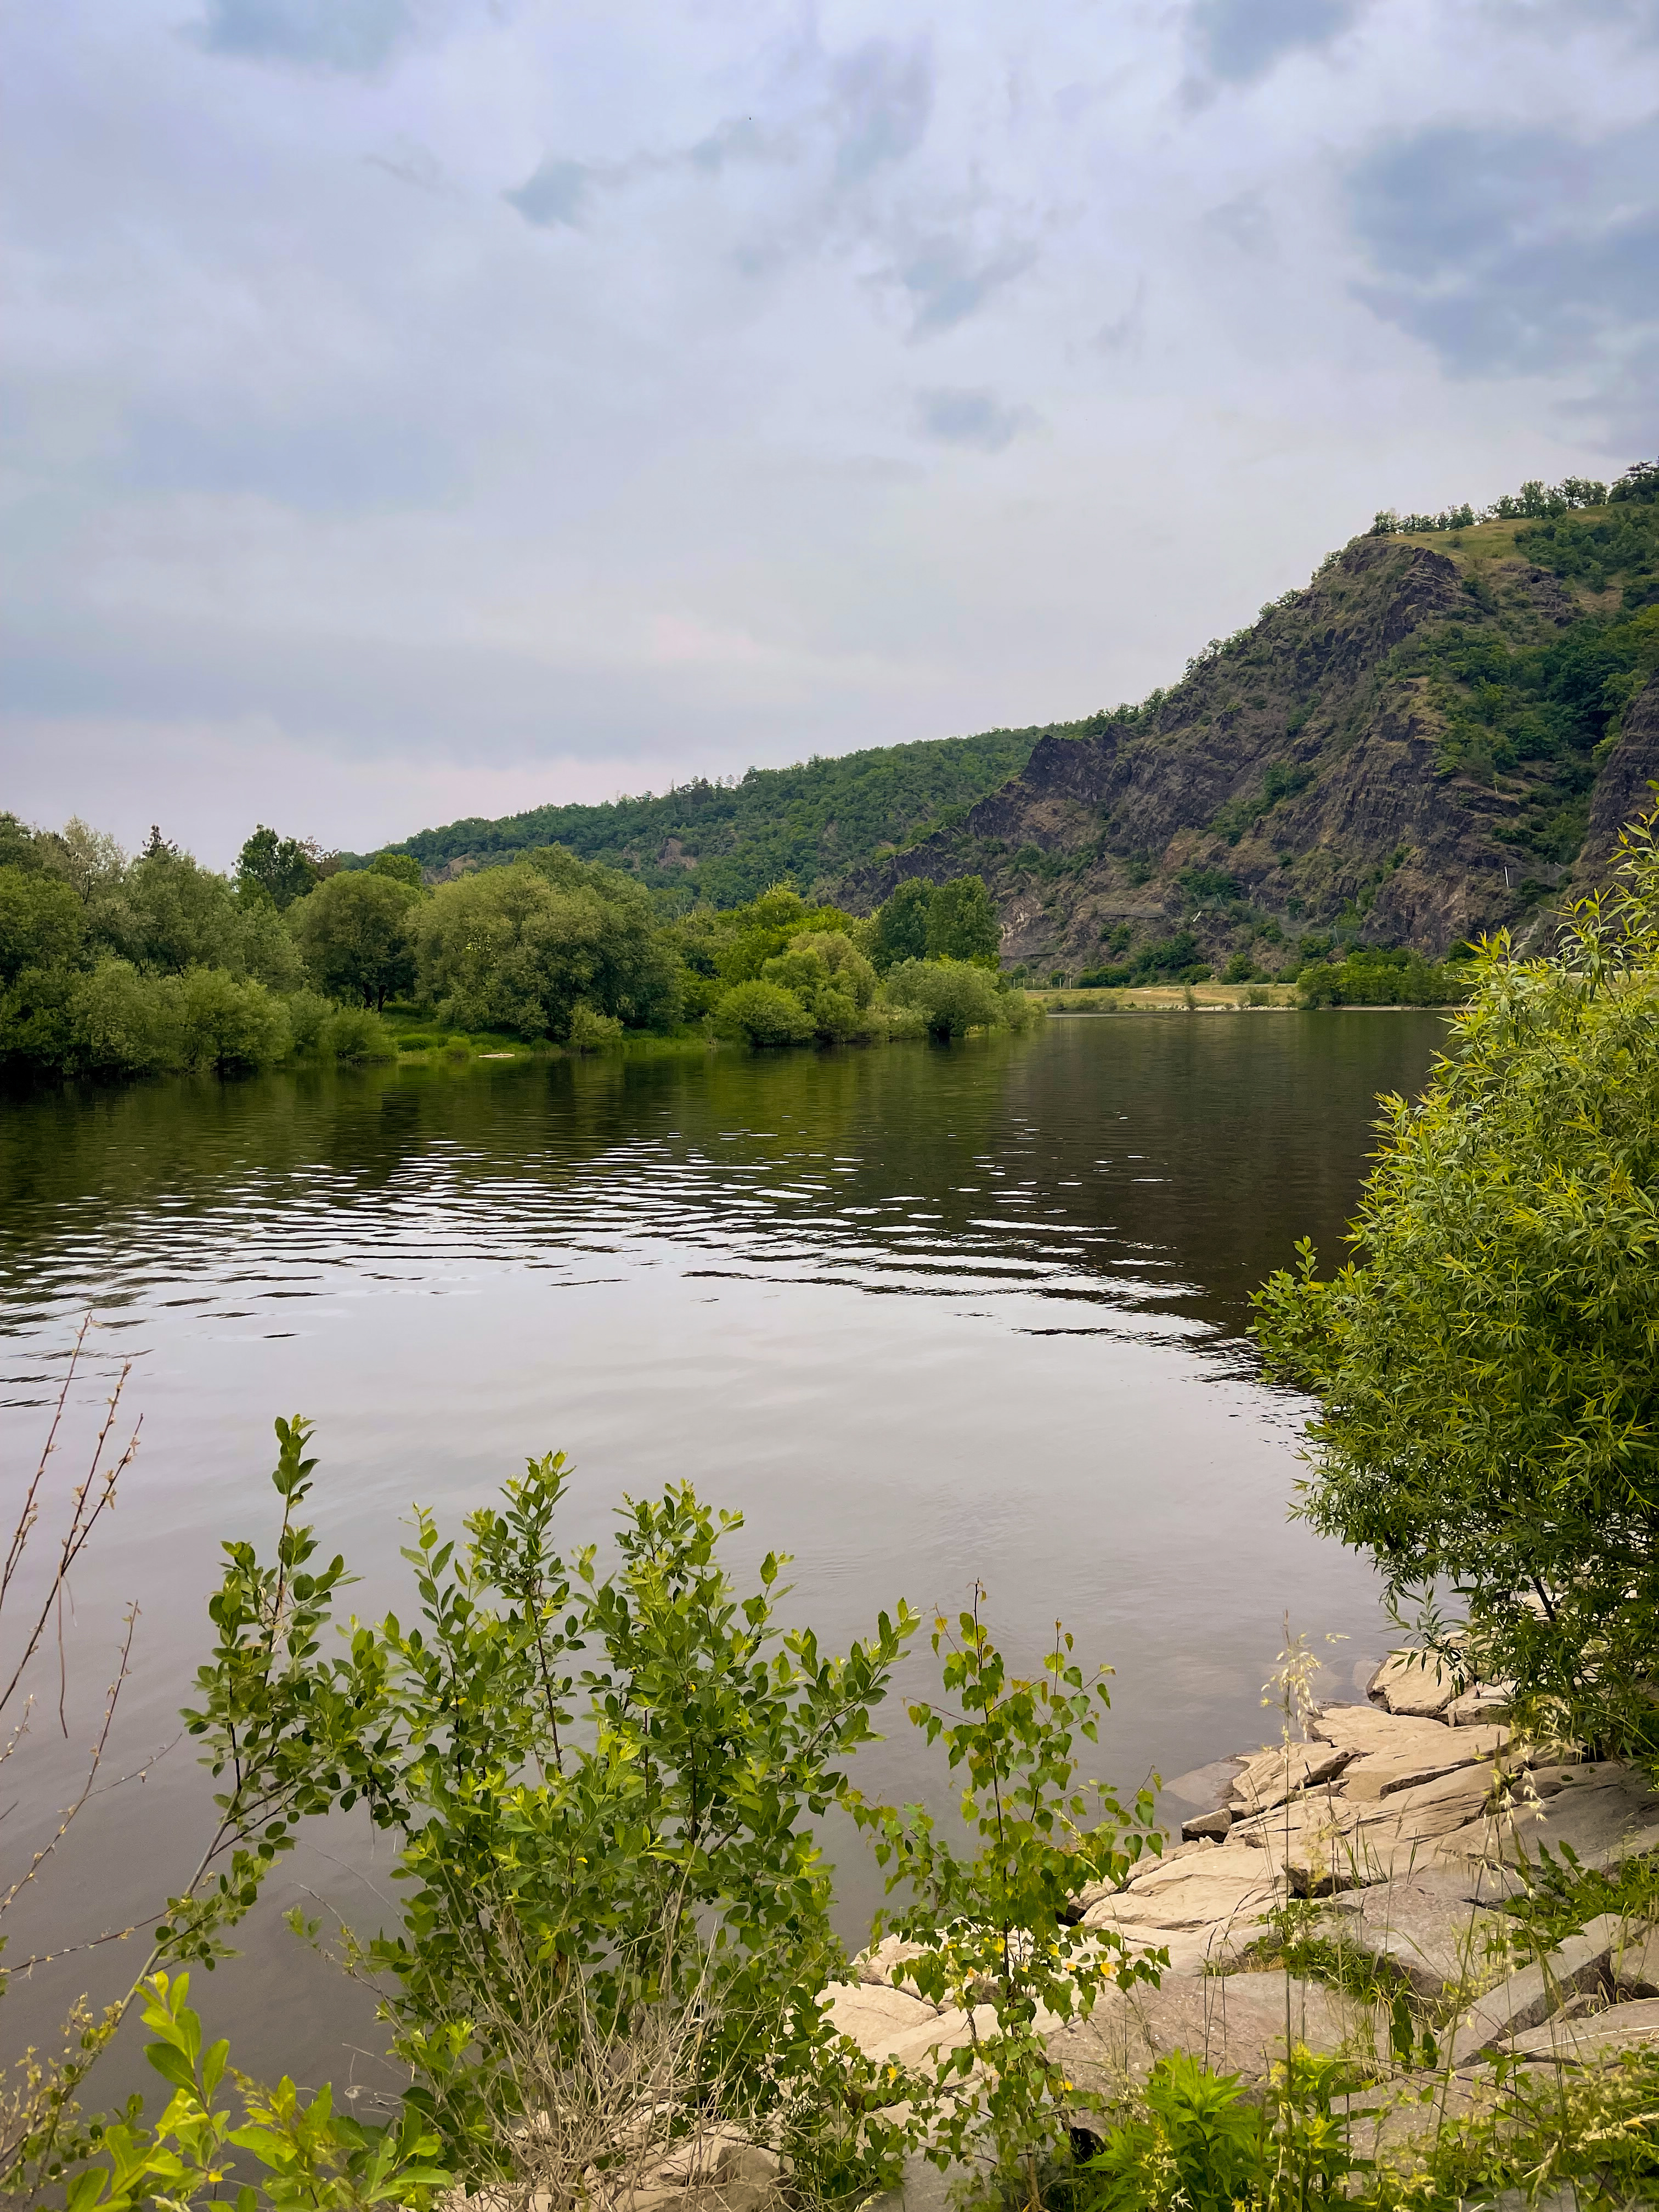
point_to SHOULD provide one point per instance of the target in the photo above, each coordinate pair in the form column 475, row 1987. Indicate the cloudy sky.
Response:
column 418, row 408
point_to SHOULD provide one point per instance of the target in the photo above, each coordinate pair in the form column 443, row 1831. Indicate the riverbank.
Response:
column 1456, row 1924
column 1196, row 999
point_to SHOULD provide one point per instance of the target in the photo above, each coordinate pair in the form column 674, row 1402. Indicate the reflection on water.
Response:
column 920, row 1314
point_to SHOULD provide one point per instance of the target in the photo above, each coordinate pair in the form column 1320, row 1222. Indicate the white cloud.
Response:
column 500, row 399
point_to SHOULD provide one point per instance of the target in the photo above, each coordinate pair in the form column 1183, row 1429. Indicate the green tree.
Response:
column 961, row 923
column 42, row 922
column 519, row 948
column 952, row 996
column 280, row 869
column 402, row 867
column 1487, row 1373
column 174, row 913
column 900, row 931
column 763, row 1014
column 354, row 930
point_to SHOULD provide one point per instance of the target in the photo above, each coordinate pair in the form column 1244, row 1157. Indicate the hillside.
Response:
column 1409, row 751
column 724, row 843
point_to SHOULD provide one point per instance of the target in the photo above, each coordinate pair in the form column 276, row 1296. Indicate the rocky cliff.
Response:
column 1413, row 749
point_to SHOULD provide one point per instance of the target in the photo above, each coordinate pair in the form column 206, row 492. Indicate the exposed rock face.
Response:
column 1622, row 788
column 1299, row 772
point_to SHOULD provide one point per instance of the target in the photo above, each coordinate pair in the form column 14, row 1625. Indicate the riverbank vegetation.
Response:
column 111, row 966
column 1486, row 1365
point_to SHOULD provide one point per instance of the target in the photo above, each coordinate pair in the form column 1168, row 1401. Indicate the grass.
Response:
column 1162, row 998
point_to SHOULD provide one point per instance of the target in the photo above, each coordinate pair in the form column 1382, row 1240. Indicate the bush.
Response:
column 125, row 1024
column 231, row 1027
column 758, row 1014
column 590, row 1031
column 951, row 996
column 1487, row 1386
column 357, row 1033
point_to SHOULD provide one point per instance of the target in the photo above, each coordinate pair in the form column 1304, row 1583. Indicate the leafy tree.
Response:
column 355, row 934
column 280, row 869
column 19, row 847
column 517, row 948
column 42, row 922
column 763, row 1014
column 175, row 915
column 901, row 925
column 961, row 923
column 402, row 867
column 951, row 996
column 1486, row 1375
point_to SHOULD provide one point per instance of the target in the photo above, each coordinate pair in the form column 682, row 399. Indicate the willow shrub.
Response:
column 1487, row 1369
column 601, row 1783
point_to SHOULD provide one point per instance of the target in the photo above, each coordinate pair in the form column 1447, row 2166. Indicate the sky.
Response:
column 423, row 408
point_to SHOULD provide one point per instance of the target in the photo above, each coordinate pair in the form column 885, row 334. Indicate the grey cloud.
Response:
column 353, row 36
column 1245, row 223
column 884, row 97
column 957, row 417
column 335, row 459
column 1517, row 253
column 557, row 194
column 947, row 281
column 1242, row 39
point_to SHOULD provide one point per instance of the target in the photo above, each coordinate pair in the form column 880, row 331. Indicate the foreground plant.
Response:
column 995, row 1927
column 601, row 1783
column 1487, row 1373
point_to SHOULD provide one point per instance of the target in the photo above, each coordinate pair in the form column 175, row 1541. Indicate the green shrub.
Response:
column 1488, row 1394
column 590, row 1031
column 356, row 1033
column 231, row 1027
column 758, row 1014
column 951, row 996
column 125, row 1024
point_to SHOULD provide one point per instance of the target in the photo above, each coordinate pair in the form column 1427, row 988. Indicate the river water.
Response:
column 921, row 1314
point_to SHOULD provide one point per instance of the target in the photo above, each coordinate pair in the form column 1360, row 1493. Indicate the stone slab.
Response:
column 1589, row 2038
column 1427, row 1927
column 876, row 2017
column 1413, row 1683
column 1527, row 1998
column 1269, row 1776
column 1234, row 2022
column 1606, row 1813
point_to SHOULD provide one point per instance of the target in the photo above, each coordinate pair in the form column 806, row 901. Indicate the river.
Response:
column 921, row 1314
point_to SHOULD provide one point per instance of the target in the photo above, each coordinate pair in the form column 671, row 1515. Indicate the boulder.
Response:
column 1234, row 2022
column 1330, row 1842
column 875, row 2017
column 1413, row 1682
column 1527, row 1998
column 715, row 2171
column 1368, row 1732
column 883, row 1964
column 1604, row 1812
column 1281, row 1771
column 1208, row 1827
column 1636, row 1963
column 1589, row 2038
column 1428, row 1926
column 1486, row 1702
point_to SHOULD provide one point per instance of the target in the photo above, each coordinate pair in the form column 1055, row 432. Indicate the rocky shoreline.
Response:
column 1395, row 1834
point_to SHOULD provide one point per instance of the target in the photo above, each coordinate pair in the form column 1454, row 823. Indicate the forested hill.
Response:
column 724, row 843
column 1439, row 736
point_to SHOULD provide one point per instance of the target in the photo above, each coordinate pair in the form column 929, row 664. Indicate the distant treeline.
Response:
column 112, row 966
column 1535, row 501
column 723, row 842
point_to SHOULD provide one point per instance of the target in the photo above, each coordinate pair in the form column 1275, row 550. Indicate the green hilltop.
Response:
column 723, row 843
